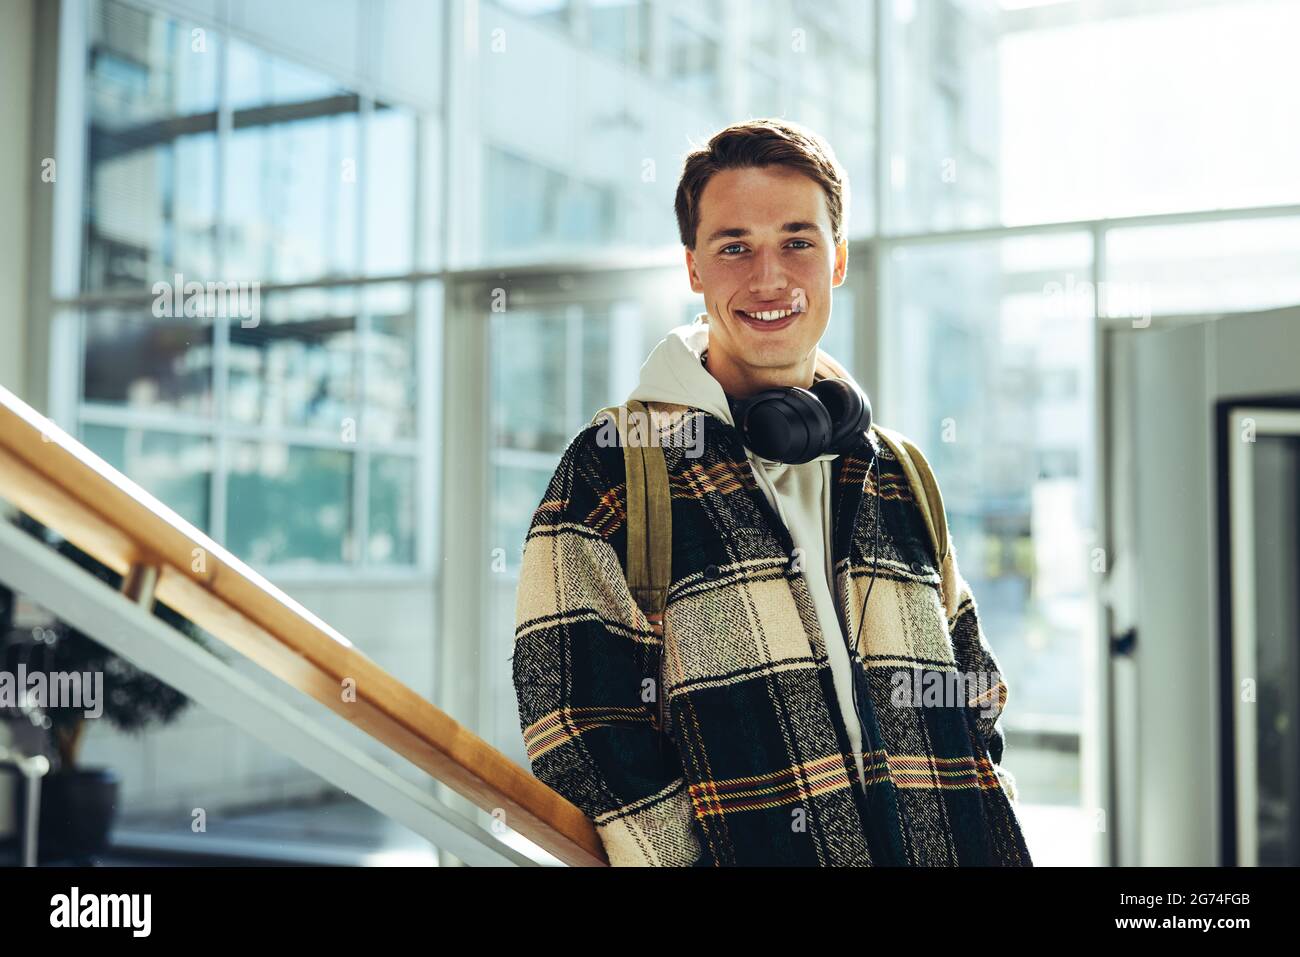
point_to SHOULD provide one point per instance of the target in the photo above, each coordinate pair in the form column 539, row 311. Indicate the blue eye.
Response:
column 723, row 250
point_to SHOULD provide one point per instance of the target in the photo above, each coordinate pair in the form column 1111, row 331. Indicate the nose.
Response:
column 768, row 279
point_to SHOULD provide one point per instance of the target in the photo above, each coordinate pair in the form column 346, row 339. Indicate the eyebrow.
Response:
column 737, row 232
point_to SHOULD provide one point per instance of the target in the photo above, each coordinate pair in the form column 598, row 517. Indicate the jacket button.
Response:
column 918, row 567
column 710, row 571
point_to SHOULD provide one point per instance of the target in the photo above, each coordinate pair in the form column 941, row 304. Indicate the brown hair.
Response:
column 759, row 143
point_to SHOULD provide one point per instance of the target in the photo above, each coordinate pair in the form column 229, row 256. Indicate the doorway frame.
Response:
column 1274, row 415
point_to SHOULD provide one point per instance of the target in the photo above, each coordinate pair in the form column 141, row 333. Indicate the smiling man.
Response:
column 774, row 715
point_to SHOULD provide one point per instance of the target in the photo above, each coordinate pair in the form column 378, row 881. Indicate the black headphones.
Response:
column 795, row 425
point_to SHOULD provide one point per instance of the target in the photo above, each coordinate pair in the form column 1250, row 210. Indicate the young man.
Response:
column 798, row 729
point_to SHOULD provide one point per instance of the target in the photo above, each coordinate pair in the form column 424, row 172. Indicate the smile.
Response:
column 768, row 320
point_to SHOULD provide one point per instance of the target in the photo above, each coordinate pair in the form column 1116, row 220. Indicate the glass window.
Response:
column 389, row 353
column 535, row 210
column 296, row 367
column 259, row 80
column 289, row 504
column 175, row 469
column 598, row 176
column 554, row 12
column 135, row 361
column 326, row 33
column 530, row 380
column 293, row 402
column 552, row 366
column 394, row 512
column 995, row 338
column 518, row 487
column 764, row 92
column 389, row 177
column 943, row 141
column 298, row 408
column 1201, row 268
column 262, row 808
column 151, row 147
column 1174, row 109
column 852, row 142
column 596, row 346
column 291, row 179
column 209, row 160
column 618, row 28
column 407, row 49
column 1029, row 116
column 693, row 61
column 837, row 340
column 766, row 30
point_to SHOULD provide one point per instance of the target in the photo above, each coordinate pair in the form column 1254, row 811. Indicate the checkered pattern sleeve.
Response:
column 975, row 658
column 585, row 669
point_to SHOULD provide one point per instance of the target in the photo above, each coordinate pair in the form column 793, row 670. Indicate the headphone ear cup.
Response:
column 787, row 425
column 849, row 409
column 818, row 424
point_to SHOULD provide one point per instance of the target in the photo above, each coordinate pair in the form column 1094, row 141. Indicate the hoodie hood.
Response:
column 673, row 373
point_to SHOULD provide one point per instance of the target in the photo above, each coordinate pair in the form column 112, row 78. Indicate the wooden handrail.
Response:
column 62, row 484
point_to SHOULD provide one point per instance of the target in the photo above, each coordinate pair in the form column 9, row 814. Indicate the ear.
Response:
column 692, row 275
column 841, row 263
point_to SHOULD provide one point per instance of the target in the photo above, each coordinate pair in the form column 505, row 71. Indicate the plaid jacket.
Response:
column 754, row 766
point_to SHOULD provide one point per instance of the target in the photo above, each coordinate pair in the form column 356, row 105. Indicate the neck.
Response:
column 741, row 381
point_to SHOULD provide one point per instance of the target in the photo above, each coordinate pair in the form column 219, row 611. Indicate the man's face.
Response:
column 764, row 245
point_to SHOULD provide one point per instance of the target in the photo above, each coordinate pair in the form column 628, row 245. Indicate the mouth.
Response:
column 768, row 320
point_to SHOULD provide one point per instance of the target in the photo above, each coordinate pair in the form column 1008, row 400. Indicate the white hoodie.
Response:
column 800, row 494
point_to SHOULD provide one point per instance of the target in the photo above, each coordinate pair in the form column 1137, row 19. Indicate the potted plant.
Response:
column 79, row 804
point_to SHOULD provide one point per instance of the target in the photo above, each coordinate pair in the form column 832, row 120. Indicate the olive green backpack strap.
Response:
column 649, row 524
column 924, row 489
column 649, row 509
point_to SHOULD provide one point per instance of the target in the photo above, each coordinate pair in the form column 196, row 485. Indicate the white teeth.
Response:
column 771, row 316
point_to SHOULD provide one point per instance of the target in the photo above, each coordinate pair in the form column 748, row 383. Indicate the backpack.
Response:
column 649, row 542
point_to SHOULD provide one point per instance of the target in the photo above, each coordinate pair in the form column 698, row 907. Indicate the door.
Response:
column 1198, row 580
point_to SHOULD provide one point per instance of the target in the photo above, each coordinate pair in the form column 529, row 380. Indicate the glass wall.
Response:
column 283, row 421
column 586, row 163
column 993, row 343
column 1156, row 107
column 1199, row 268
column 151, row 148
column 941, row 116
column 1018, row 111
